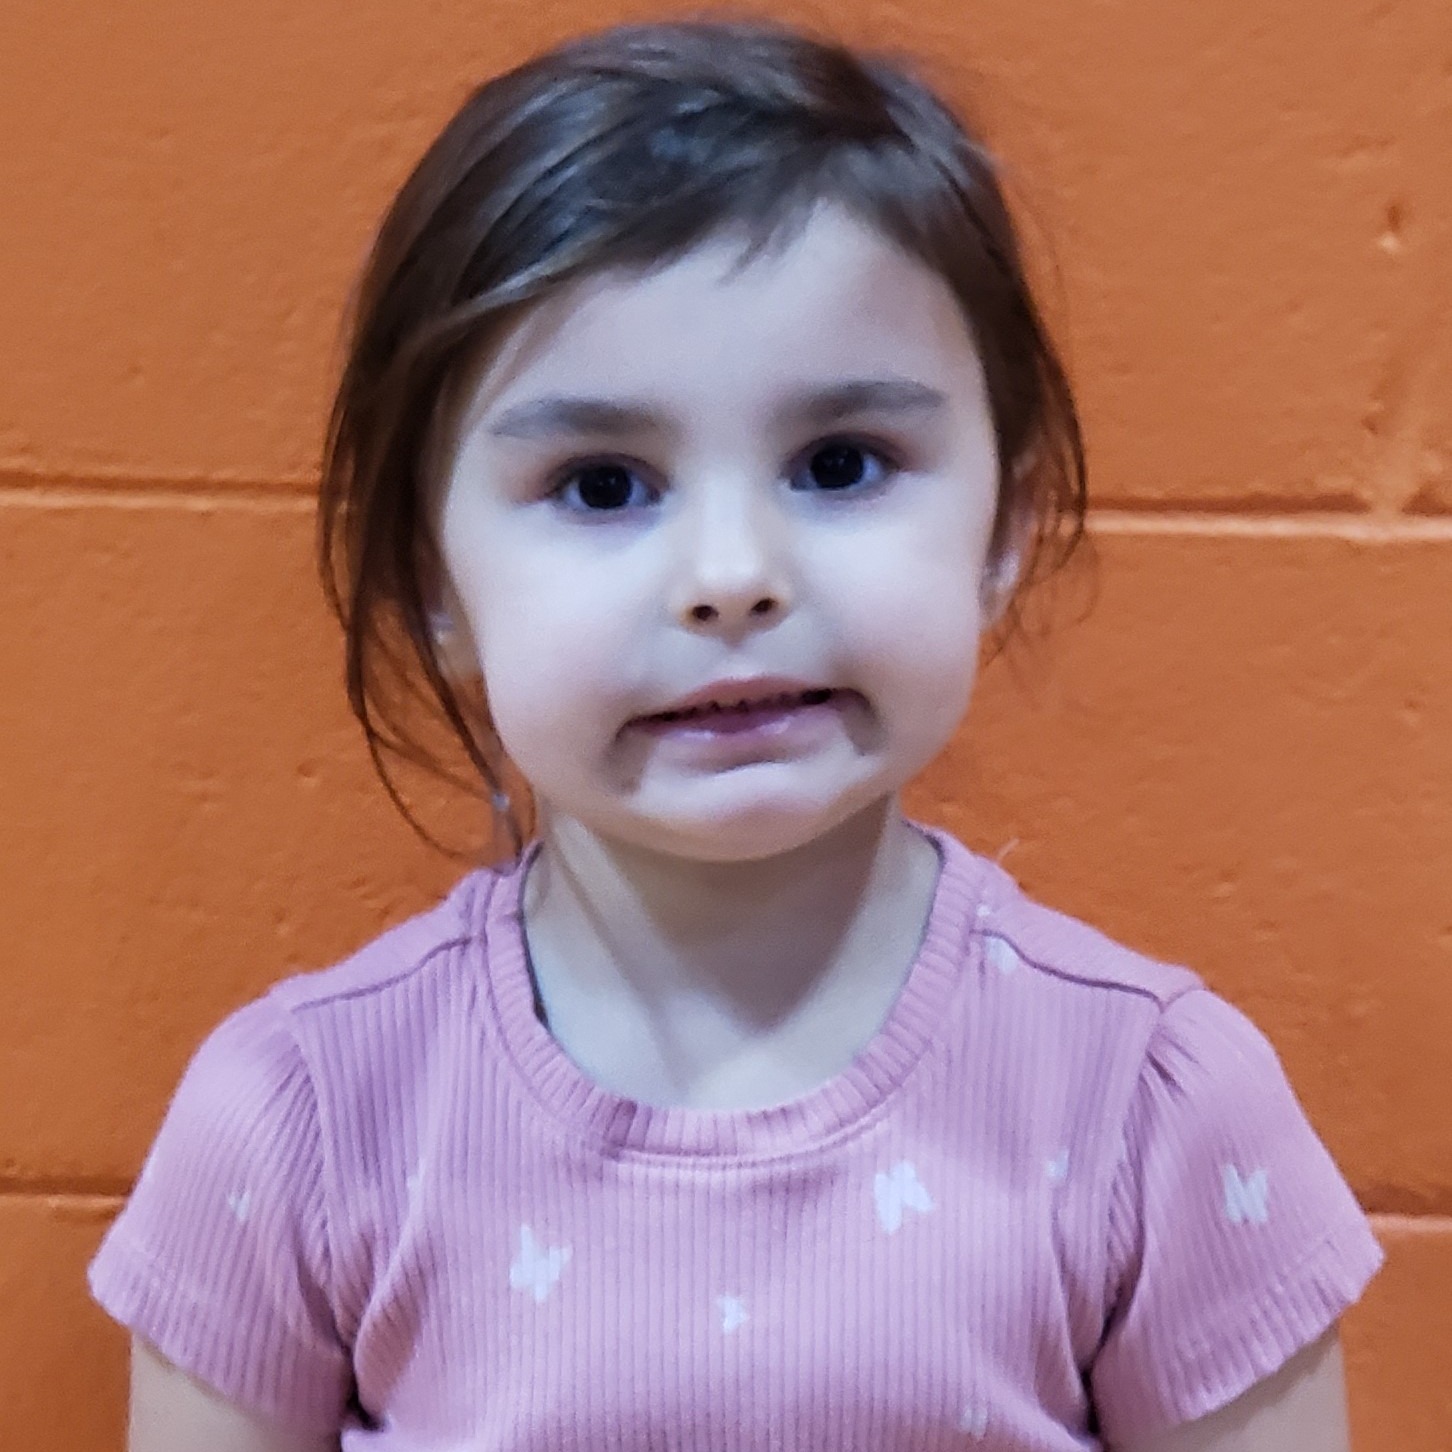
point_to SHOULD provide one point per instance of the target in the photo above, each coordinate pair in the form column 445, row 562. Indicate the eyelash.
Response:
column 889, row 460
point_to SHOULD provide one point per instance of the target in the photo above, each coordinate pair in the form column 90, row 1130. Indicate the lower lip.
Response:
column 763, row 724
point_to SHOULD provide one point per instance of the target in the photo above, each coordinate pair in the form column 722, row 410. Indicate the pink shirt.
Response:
column 1064, row 1197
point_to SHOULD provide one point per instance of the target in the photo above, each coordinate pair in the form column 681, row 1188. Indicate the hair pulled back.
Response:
column 625, row 149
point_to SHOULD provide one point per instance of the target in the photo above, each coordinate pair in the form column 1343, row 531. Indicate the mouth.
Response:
column 771, row 715
column 726, row 706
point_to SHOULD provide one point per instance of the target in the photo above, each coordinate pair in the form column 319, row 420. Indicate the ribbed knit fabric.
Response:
column 1063, row 1198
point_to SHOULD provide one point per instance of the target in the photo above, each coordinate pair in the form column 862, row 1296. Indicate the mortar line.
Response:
column 1436, row 1224
column 102, row 1187
column 1358, row 528
column 113, row 481
column 297, row 495
column 107, row 1191
column 296, row 492
column 241, row 498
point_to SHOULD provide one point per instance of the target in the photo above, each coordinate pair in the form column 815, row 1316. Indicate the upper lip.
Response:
column 750, row 692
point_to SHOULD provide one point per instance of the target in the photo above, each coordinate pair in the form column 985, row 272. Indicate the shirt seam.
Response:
column 1161, row 998
column 569, row 1128
column 320, row 1152
column 327, row 998
column 1117, row 1259
column 1192, row 1345
column 1189, row 1350
column 143, row 1267
column 521, row 1082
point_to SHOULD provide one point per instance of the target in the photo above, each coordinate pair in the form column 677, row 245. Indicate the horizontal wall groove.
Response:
column 136, row 499
column 297, row 498
column 1412, row 1224
column 112, row 1189
column 64, row 1187
column 43, row 480
column 1340, row 502
column 1361, row 528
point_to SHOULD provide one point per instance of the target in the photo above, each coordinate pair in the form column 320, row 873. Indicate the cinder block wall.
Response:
column 1241, row 760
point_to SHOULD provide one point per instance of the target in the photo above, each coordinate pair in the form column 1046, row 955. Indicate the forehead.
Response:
column 835, row 298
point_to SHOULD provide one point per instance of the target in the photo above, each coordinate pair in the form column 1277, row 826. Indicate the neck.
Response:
column 713, row 958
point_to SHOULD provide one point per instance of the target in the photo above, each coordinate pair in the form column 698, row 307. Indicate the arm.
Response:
column 1300, row 1408
column 171, row 1412
column 1235, row 1246
column 220, row 1258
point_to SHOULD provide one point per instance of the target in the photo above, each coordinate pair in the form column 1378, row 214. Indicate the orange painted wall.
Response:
column 1242, row 759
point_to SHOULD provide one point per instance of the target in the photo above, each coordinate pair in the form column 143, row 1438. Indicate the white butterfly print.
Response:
column 536, row 1270
column 896, row 1191
column 1246, row 1200
column 1003, row 956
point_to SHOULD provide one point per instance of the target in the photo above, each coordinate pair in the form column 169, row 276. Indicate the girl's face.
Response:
column 672, row 493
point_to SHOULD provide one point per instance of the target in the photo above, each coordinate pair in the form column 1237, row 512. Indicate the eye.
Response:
column 603, row 488
column 842, row 465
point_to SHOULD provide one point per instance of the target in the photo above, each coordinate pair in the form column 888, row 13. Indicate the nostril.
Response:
column 703, row 614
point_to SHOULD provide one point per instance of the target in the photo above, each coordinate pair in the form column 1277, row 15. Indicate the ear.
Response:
column 452, row 640
column 1002, row 572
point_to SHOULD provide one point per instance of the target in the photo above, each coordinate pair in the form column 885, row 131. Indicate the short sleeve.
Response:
column 1234, row 1240
column 220, row 1257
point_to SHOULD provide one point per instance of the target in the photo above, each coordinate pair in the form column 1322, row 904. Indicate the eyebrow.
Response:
column 560, row 415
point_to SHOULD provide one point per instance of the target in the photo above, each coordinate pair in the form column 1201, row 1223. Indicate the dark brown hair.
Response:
column 626, row 149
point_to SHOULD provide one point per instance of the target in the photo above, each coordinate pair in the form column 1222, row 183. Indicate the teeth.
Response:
column 761, row 703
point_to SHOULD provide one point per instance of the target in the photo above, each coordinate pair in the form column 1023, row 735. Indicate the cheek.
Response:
column 917, row 603
column 549, row 662
column 917, row 636
column 932, row 658
column 530, row 671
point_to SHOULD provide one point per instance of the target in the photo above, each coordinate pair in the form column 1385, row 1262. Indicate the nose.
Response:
column 732, row 569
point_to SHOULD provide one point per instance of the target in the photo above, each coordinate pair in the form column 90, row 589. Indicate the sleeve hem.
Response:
column 135, row 1290
column 1211, row 1366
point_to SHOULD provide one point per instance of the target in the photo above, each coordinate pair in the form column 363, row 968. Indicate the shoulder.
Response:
column 1187, row 1027
column 1065, row 954
column 1193, row 1066
column 1135, row 1050
column 317, row 1044
column 1190, row 1035
column 1076, row 1002
column 399, row 956
column 1093, row 1001
column 261, row 1063
column 1218, row 1234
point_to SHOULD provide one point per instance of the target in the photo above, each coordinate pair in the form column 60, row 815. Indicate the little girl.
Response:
column 697, row 425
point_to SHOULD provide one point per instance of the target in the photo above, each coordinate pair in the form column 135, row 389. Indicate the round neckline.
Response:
column 627, row 1126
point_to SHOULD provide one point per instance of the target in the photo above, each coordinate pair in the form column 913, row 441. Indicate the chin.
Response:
column 749, row 832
